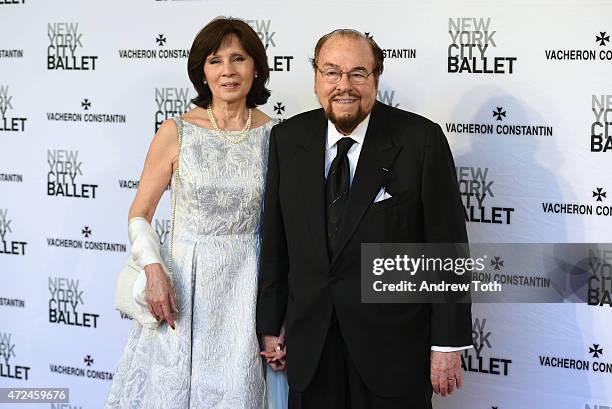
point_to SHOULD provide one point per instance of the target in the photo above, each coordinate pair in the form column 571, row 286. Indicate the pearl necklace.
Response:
column 231, row 136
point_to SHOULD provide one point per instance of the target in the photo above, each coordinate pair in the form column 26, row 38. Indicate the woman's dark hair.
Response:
column 208, row 41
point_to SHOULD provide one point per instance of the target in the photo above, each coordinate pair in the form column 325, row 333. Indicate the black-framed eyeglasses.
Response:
column 333, row 76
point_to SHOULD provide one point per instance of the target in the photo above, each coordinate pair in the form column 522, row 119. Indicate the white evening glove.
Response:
column 145, row 242
column 145, row 250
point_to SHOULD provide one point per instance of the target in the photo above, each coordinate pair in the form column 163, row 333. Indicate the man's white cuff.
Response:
column 450, row 349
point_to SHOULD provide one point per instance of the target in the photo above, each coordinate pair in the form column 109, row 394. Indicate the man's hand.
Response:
column 275, row 351
column 446, row 372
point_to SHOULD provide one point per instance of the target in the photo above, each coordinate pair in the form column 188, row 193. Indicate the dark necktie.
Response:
column 336, row 191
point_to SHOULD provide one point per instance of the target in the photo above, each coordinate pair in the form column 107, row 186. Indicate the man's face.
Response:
column 346, row 104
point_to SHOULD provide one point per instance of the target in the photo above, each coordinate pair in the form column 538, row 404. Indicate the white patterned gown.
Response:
column 212, row 359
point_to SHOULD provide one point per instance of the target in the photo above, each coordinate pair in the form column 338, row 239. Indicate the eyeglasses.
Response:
column 356, row 77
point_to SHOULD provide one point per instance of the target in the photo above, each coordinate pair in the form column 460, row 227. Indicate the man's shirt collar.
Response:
column 358, row 134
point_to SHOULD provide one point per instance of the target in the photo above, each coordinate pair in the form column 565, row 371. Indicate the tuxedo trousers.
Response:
column 337, row 384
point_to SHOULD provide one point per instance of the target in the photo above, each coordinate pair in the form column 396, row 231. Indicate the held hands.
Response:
column 275, row 351
column 160, row 294
column 445, row 372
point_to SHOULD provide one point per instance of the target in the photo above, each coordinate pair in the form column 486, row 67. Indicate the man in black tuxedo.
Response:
column 356, row 171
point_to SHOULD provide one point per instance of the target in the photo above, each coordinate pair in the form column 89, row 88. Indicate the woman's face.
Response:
column 229, row 71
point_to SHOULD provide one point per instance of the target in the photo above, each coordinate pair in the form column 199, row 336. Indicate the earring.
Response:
column 205, row 82
column 256, row 75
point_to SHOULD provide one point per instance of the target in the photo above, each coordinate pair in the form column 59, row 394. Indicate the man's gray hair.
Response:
column 348, row 32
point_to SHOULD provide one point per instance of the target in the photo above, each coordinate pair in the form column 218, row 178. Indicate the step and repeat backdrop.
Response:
column 521, row 88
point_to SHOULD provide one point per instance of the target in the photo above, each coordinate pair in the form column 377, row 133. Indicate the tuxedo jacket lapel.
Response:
column 376, row 158
column 377, row 154
column 310, row 165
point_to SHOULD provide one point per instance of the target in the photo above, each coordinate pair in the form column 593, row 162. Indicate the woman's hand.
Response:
column 160, row 294
column 275, row 351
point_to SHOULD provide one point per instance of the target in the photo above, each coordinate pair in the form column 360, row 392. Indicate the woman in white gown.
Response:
column 205, row 354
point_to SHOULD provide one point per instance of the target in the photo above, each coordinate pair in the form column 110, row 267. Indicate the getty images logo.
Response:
column 65, row 40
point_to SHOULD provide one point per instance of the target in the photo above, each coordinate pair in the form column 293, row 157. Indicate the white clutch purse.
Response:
column 130, row 296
